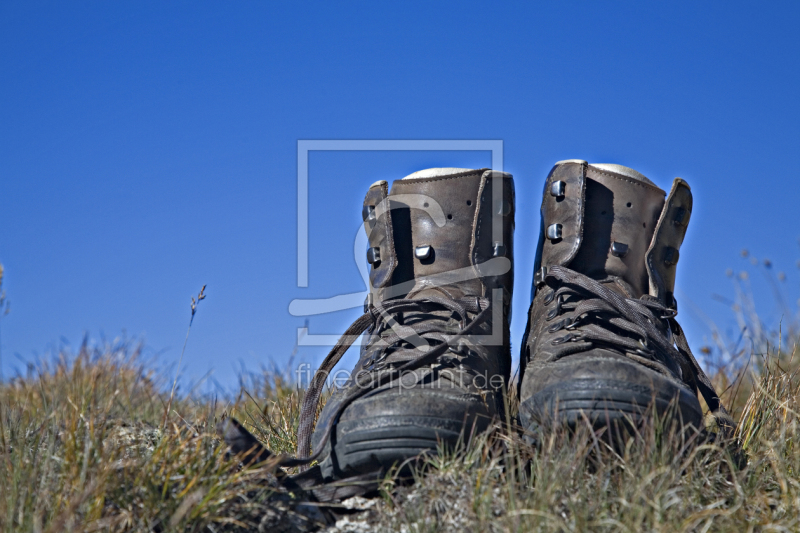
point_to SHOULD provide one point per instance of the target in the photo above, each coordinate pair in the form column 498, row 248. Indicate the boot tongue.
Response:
column 433, row 235
column 621, row 287
column 620, row 214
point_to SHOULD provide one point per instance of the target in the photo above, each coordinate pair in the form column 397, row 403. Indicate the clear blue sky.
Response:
column 148, row 148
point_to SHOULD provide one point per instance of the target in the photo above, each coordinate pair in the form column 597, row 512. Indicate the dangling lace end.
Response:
column 242, row 442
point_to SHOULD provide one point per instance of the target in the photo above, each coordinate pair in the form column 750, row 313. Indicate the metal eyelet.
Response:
column 548, row 299
column 380, row 365
column 569, row 337
column 558, row 189
column 554, row 231
column 447, row 360
column 368, row 213
column 561, row 324
column 376, row 361
column 369, row 363
column 644, row 350
column 539, row 277
column 460, row 348
column 423, row 252
column 374, row 257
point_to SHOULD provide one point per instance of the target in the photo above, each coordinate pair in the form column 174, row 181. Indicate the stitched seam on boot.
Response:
column 476, row 234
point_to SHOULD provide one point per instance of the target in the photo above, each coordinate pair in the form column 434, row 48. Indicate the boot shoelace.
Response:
column 596, row 310
column 391, row 359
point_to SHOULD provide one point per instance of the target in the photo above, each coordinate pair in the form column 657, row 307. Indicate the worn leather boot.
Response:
column 435, row 359
column 602, row 344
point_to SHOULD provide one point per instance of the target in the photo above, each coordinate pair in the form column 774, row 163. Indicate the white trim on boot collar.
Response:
column 436, row 172
column 623, row 170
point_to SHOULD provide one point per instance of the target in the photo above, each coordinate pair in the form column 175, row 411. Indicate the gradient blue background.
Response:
column 148, row 148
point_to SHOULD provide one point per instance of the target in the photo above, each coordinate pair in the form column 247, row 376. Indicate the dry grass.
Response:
column 94, row 442
column 82, row 449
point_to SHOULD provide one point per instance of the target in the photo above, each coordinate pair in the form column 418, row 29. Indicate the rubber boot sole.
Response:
column 381, row 443
column 609, row 404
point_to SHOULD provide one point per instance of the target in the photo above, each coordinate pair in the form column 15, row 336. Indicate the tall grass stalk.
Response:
column 200, row 296
column 4, row 310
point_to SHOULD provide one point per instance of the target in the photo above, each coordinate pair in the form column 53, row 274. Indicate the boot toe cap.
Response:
column 390, row 428
column 601, row 390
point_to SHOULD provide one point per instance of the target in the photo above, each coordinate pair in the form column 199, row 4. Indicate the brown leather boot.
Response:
column 435, row 359
column 602, row 343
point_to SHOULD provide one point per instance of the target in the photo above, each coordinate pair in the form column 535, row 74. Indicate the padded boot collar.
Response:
column 438, row 224
column 433, row 172
column 620, row 217
column 599, row 220
column 441, row 228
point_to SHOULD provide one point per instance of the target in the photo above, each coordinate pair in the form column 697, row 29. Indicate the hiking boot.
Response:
column 602, row 345
column 435, row 359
